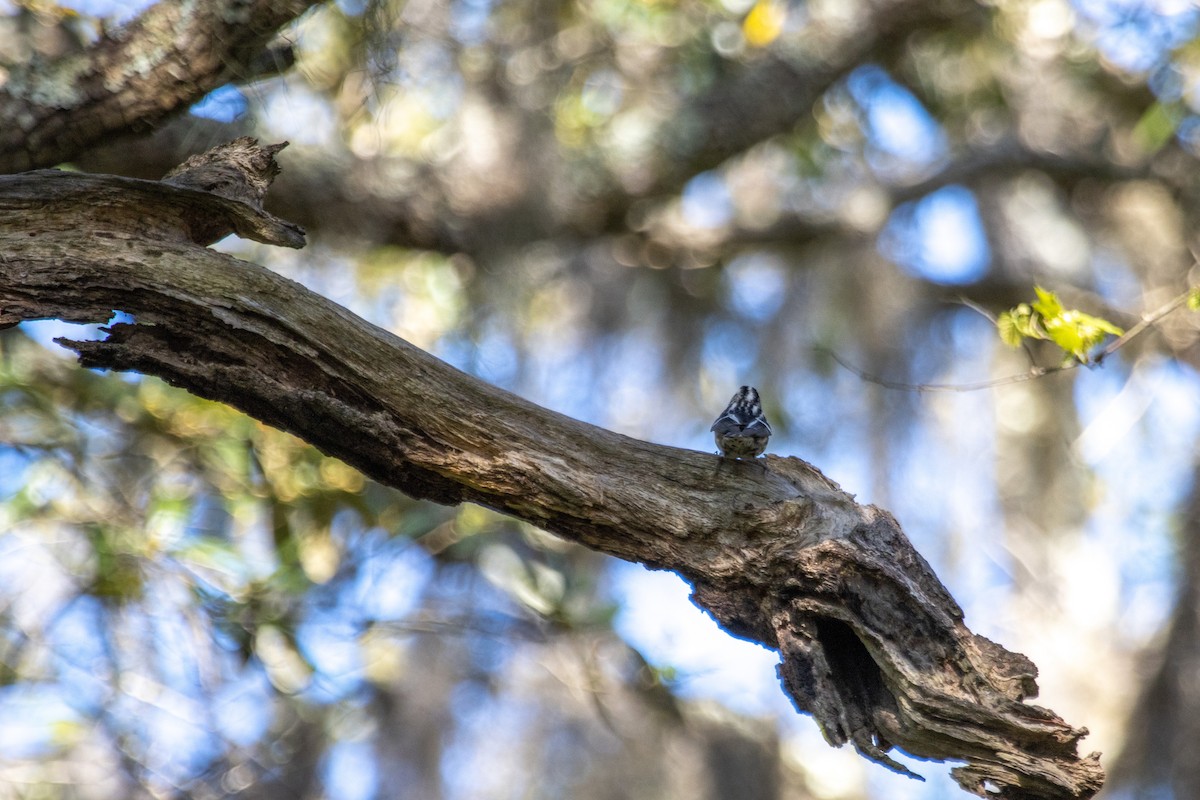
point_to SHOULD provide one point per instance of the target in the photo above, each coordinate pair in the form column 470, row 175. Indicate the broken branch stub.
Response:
column 876, row 650
column 871, row 644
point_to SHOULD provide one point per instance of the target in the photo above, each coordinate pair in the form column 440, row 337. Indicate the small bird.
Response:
column 742, row 431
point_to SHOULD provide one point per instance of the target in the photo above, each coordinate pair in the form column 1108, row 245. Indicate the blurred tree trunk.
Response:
column 1161, row 756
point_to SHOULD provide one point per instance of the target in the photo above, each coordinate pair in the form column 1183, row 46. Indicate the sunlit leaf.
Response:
column 1047, row 304
column 1074, row 332
column 1008, row 328
column 764, row 23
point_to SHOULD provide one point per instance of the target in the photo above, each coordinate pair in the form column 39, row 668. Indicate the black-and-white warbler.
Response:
column 742, row 431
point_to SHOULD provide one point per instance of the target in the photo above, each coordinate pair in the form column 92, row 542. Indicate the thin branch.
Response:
column 1147, row 321
column 1033, row 374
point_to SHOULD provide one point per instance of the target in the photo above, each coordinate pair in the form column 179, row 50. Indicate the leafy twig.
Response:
column 1191, row 298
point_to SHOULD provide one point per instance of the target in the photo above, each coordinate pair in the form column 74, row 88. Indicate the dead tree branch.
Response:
column 128, row 81
column 871, row 644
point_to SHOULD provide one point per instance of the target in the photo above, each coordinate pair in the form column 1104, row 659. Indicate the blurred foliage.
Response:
column 621, row 209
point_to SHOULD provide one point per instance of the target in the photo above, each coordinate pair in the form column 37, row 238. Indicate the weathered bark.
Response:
column 871, row 644
column 158, row 65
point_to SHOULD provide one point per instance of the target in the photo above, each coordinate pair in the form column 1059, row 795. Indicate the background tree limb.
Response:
column 871, row 644
column 128, row 81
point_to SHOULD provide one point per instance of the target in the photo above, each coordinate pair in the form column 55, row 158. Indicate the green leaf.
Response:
column 1048, row 304
column 1017, row 325
column 1008, row 328
column 1075, row 332
column 1193, row 301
